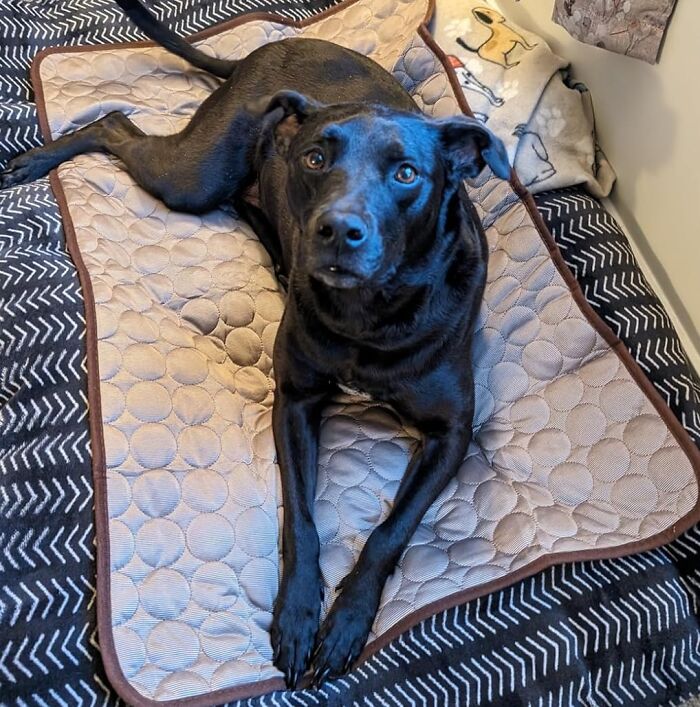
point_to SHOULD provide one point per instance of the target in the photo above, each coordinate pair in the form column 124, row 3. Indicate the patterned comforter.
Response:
column 610, row 632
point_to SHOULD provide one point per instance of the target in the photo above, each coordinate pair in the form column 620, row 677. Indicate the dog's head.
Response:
column 366, row 182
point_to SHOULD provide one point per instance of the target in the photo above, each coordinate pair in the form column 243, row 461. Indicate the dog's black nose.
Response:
column 342, row 227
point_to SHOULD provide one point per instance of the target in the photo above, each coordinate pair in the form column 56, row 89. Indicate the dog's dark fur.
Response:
column 385, row 265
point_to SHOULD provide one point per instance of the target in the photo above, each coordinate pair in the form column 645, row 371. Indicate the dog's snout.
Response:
column 342, row 228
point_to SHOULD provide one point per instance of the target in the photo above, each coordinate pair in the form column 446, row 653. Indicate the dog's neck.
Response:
column 365, row 315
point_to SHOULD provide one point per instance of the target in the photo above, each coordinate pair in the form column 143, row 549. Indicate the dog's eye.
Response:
column 314, row 159
column 406, row 174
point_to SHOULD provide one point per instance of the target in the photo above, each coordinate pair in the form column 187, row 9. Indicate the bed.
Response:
column 563, row 635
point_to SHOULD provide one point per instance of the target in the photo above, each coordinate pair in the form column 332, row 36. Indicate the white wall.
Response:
column 648, row 120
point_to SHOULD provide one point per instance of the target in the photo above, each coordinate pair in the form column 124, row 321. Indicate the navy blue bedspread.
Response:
column 613, row 632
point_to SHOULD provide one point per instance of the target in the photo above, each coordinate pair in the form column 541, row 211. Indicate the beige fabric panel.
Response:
column 569, row 454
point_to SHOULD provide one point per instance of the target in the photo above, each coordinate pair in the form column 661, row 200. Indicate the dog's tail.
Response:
column 158, row 32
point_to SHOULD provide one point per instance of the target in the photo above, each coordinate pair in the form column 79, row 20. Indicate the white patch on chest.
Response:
column 354, row 392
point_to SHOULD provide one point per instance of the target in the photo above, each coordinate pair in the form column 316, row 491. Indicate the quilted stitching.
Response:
column 568, row 453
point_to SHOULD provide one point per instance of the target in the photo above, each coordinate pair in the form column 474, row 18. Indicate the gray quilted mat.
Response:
column 570, row 455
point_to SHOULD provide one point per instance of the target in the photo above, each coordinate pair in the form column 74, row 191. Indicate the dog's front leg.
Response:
column 345, row 630
column 296, row 420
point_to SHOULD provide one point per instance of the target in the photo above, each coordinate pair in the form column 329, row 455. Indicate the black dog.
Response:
column 362, row 208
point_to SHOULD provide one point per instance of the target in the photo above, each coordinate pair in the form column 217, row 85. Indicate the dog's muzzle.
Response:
column 345, row 249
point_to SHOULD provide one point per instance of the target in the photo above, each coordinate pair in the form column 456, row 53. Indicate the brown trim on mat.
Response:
column 104, row 615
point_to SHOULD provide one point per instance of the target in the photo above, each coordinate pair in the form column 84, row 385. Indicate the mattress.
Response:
column 75, row 543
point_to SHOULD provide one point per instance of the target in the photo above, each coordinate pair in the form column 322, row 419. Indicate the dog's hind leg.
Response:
column 104, row 135
column 186, row 172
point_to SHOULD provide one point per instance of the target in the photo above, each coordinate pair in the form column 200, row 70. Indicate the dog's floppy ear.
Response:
column 291, row 103
column 282, row 114
column 468, row 146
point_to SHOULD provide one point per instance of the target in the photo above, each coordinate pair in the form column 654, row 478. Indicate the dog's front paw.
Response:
column 24, row 168
column 295, row 625
column 344, row 632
